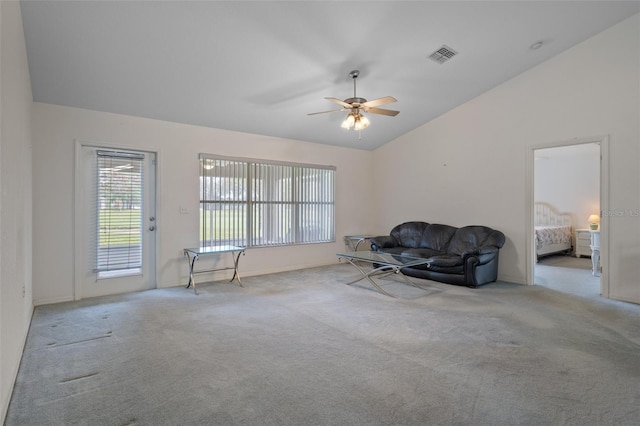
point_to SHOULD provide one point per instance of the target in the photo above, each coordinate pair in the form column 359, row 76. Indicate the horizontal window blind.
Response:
column 255, row 203
column 119, row 211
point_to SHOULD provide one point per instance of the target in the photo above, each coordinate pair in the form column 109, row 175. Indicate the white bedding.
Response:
column 552, row 236
column 553, row 230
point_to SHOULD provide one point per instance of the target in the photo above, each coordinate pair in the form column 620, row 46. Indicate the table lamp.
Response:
column 594, row 220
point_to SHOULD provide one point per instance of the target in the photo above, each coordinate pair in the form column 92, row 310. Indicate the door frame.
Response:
column 78, row 211
column 530, row 251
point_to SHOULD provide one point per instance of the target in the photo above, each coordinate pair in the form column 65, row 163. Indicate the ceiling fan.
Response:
column 356, row 106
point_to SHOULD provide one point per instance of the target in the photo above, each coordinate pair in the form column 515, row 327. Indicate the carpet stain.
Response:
column 84, row 376
column 108, row 334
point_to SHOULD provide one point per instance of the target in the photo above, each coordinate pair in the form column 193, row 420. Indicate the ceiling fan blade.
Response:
column 340, row 102
column 379, row 101
column 382, row 111
column 324, row 112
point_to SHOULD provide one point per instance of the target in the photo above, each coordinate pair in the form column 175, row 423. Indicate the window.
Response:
column 254, row 203
column 119, row 214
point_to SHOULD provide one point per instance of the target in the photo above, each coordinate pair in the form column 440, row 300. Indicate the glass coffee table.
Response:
column 383, row 264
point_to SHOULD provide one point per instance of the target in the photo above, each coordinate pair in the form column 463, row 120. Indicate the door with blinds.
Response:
column 115, row 204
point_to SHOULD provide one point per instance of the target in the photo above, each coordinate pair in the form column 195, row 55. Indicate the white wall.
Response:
column 15, row 197
column 56, row 129
column 469, row 165
column 568, row 178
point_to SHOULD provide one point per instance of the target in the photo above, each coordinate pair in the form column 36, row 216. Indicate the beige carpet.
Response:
column 568, row 274
column 301, row 348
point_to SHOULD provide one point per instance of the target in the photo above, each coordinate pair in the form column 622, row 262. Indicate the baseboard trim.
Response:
column 511, row 279
column 624, row 299
column 40, row 302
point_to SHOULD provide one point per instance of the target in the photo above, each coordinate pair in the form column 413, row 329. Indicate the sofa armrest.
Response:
column 383, row 241
column 480, row 252
column 470, row 252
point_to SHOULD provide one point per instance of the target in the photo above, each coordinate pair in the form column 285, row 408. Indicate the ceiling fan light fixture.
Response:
column 349, row 121
column 361, row 123
column 356, row 120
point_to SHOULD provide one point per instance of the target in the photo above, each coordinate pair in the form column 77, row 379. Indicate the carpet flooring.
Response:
column 302, row 348
column 568, row 274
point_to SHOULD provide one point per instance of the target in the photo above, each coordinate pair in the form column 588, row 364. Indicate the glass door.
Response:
column 116, row 208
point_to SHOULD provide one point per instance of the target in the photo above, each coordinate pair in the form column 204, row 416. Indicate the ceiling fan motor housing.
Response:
column 355, row 101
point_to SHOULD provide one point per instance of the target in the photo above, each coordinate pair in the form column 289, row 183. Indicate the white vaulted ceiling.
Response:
column 260, row 67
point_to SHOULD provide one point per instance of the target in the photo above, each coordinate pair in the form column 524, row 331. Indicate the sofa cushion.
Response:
column 445, row 261
column 409, row 234
column 438, row 261
column 421, row 252
column 473, row 237
column 437, row 236
column 393, row 250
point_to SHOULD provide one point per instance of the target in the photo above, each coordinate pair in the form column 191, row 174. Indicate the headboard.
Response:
column 546, row 215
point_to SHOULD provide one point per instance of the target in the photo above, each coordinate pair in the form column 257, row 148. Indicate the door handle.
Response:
column 152, row 228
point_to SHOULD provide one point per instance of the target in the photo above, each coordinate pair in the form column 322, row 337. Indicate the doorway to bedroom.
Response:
column 566, row 217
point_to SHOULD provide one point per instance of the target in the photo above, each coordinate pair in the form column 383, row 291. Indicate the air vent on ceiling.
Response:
column 443, row 54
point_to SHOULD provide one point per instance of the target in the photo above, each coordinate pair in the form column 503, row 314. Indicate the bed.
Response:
column 553, row 230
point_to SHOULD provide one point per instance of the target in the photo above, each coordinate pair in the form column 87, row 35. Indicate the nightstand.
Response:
column 583, row 242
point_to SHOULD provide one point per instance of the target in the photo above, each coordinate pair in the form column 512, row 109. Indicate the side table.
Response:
column 583, row 240
column 192, row 254
column 353, row 241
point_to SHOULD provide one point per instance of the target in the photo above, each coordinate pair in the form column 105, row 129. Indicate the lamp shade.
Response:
column 349, row 121
column 361, row 122
column 594, row 218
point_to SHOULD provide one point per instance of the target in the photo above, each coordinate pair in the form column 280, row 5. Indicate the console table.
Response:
column 192, row 254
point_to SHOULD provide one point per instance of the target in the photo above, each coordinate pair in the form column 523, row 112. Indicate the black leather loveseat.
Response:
column 464, row 256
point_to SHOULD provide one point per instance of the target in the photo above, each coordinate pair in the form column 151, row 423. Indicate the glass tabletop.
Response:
column 359, row 236
column 384, row 258
column 215, row 249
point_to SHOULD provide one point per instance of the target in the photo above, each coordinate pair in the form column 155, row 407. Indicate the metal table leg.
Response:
column 236, row 260
column 367, row 275
column 381, row 272
column 191, row 262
